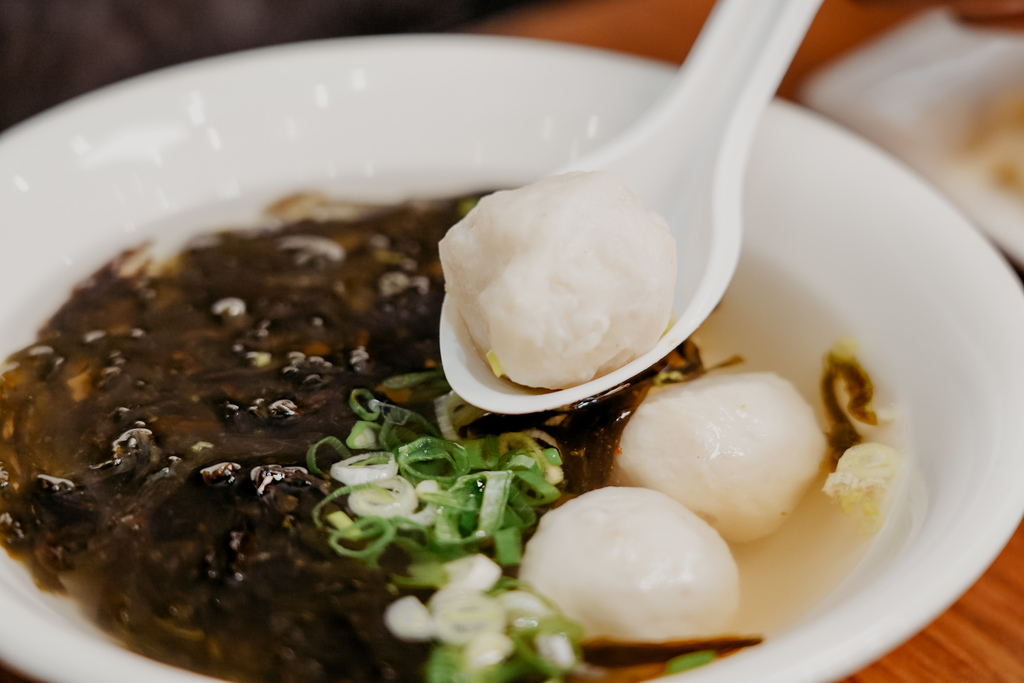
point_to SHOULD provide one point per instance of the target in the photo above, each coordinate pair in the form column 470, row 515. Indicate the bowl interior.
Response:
column 839, row 241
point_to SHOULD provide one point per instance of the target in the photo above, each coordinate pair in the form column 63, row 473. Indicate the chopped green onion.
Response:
column 372, row 409
column 433, row 458
column 490, row 453
column 338, row 520
column 492, row 360
column 523, row 608
column 444, row 665
column 363, row 435
column 524, row 650
column 402, row 426
column 459, row 509
column 505, row 584
column 526, row 442
column 416, row 540
column 520, row 509
column 508, row 546
column 465, row 205
column 453, row 413
column 556, row 623
column 397, row 415
column 485, row 650
column 558, row 649
column 494, row 502
column 409, row 619
column 518, row 441
column 365, row 468
column 331, row 441
column 423, row 575
column 515, row 517
column 460, row 614
column 520, row 461
column 473, row 572
column 474, row 454
column 328, row 499
column 375, row 533
column 691, row 660
column 412, row 379
column 447, row 531
column 535, row 488
column 443, row 499
column 389, row 498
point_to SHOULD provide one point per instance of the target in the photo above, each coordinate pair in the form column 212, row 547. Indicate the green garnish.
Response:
column 432, row 458
column 492, row 360
column 414, row 379
column 691, row 660
column 331, row 441
column 472, row 496
column 363, row 435
column 442, row 501
column 465, row 205
column 841, row 364
column 370, row 535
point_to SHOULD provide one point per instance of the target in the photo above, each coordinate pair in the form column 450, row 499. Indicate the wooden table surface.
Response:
column 979, row 639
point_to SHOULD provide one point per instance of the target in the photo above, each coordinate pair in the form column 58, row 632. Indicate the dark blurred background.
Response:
column 52, row 50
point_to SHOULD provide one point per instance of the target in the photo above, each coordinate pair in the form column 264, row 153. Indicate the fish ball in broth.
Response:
column 739, row 450
column 633, row 564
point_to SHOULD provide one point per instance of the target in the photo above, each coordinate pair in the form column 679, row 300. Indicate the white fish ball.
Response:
column 564, row 280
column 633, row 564
column 739, row 450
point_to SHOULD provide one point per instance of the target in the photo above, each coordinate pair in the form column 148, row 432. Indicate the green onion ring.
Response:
column 372, row 410
column 376, row 531
column 428, row 449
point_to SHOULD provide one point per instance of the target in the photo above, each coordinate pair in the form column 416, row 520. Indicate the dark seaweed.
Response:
column 841, row 365
column 137, row 385
column 152, row 440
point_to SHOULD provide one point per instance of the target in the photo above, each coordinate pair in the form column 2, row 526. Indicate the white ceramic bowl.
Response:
column 840, row 240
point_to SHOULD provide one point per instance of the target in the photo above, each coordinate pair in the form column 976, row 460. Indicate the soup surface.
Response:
column 153, row 444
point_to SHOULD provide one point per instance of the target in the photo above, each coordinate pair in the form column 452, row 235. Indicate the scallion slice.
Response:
column 363, row 435
column 370, row 536
column 433, row 458
column 691, row 660
column 369, row 412
column 365, row 468
column 331, row 441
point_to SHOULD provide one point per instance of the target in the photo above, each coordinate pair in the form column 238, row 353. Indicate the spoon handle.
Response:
column 718, row 96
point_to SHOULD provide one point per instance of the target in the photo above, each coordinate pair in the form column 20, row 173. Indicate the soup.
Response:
column 155, row 438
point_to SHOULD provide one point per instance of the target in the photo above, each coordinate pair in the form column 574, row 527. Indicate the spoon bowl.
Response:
column 685, row 159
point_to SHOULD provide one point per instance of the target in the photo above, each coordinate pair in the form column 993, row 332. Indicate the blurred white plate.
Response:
column 921, row 92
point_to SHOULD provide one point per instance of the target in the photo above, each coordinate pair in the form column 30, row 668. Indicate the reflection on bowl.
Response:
column 839, row 242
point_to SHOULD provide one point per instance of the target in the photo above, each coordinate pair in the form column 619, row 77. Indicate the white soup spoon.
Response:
column 685, row 159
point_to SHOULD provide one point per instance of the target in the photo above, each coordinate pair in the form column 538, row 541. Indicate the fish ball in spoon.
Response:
column 563, row 280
